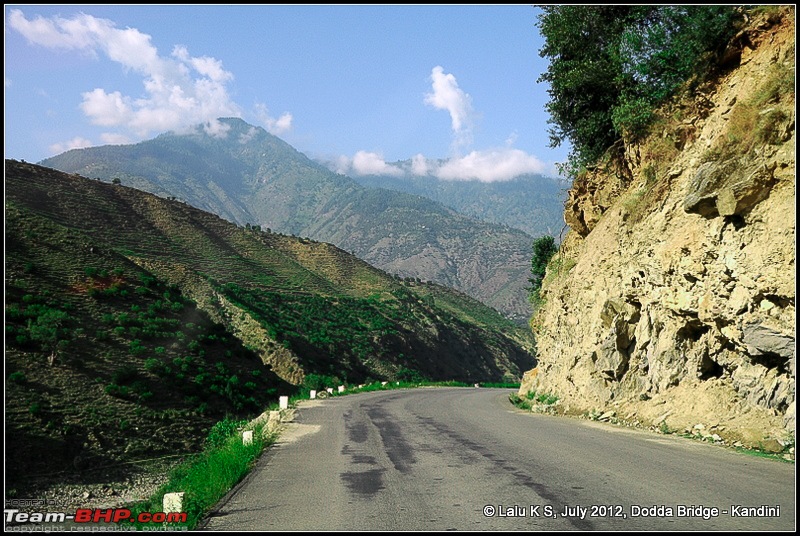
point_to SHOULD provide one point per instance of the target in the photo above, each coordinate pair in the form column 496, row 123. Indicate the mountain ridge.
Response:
column 254, row 177
column 531, row 203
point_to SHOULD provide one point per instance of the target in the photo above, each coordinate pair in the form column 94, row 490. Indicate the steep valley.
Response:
column 134, row 323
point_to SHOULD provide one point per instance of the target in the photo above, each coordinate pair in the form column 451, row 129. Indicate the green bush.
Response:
column 17, row 377
column 221, row 431
column 118, row 391
column 319, row 382
column 543, row 250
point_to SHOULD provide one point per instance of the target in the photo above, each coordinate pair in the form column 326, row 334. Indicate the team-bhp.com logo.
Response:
column 94, row 515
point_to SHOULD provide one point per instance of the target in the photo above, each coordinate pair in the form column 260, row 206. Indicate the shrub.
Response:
column 118, row 391
column 17, row 377
column 221, row 431
column 543, row 250
column 124, row 375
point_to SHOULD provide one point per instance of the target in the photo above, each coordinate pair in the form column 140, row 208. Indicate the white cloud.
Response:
column 47, row 33
column 490, row 166
column 216, row 129
column 419, row 165
column 74, row 143
column 341, row 165
column 180, row 90
column 366, row 163
column 282, row 124
column 248, row 136
column 512, row 139
column 274, row 126
column 446, row 95
column 211, row 68
column 106, row 109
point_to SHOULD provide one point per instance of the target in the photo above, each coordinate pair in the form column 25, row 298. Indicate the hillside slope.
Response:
column 531, row 203
column 133, row 323
column 250, row 176
column 672, row 300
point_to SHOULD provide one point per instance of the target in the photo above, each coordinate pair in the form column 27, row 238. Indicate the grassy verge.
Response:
column 385, row 386
column 781, row 456
column 208, row 476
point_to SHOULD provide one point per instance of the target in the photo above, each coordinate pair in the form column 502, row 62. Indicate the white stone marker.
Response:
column 313, row 394
column 173, row 502
column 341, row 388
column 247, row 437
column 284, row 402
column 330, row 390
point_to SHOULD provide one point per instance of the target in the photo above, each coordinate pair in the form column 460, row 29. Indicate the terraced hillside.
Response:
column 134, row 322
column 250, row 176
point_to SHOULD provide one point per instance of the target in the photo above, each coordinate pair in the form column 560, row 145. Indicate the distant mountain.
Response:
column 531, row 203
column 134, row 322
column 250, row 176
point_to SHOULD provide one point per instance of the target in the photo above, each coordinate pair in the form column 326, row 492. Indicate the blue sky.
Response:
column 359, row 86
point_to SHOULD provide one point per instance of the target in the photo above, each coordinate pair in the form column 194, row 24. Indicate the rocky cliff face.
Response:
column 672, row 300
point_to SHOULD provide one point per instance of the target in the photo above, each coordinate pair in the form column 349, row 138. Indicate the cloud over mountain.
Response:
column 493, row 165
column 180, row 90
column 490, row 166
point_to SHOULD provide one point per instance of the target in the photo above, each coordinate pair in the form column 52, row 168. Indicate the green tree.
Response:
column 49, row 331
column 543, row 250
column 610, row 66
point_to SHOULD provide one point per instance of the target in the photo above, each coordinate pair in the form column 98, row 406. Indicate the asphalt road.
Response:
column 465, row 459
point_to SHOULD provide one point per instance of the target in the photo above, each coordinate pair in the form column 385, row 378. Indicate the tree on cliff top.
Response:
column 610, row 66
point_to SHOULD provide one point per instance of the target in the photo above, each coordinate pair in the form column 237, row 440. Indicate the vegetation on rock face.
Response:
column 543, row 250
column 610, row 66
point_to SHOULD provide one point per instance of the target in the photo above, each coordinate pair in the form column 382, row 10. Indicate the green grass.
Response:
column 501, row 385
column 378, row 386
column 208, row 476
column 532, row 399
column 763, row 454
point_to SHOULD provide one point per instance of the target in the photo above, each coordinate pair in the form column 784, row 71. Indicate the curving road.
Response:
column 466, row 459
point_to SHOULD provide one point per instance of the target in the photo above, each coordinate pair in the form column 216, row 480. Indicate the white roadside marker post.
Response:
column 173, row 502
